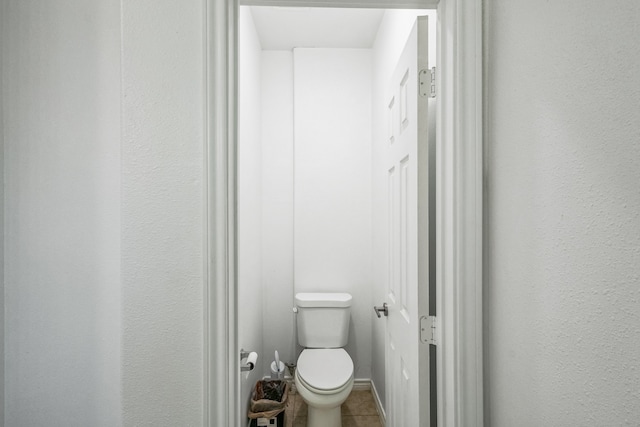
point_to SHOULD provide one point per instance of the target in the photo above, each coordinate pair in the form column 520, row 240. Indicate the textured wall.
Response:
column 563, row 213
column 61, row 117
column 162, row 212
column 102, row 107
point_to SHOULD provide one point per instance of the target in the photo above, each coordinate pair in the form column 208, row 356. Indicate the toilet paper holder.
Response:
column 249, row 359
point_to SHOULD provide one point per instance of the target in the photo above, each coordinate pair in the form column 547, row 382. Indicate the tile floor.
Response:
column 358, row 411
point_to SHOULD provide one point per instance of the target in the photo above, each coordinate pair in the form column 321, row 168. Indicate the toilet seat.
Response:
column 301, row 382
column 325, row 370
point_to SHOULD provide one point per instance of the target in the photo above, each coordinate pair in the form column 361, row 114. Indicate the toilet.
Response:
column 324, row 373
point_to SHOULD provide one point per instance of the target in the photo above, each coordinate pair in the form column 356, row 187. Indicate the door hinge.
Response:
column 427, row 83
column 428, row 329
column 432, row 88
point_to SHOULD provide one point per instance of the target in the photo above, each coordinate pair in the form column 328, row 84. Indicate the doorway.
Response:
column 223, row 299
column 312, row 142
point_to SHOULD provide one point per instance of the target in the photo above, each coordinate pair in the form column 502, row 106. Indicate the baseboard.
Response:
column 376, row 398
column 362, row 384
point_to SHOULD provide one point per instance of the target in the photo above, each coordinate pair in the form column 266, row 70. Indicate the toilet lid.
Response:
column 325, row 368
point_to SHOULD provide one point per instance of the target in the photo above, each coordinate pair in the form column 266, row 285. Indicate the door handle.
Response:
column 384, row 310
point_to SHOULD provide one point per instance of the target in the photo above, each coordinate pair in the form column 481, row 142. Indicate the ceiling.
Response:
column 283, row 28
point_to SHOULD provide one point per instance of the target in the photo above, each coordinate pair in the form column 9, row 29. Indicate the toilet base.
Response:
column 324, row 407
column 324, row 410
column 320, row 417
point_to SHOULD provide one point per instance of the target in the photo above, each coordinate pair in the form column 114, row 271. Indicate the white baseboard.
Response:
column 362, row 384
column 376, row 398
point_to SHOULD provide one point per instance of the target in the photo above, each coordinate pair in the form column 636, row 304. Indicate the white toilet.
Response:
column 324, row 373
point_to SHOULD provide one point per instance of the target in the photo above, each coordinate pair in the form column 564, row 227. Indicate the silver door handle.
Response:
column 384, row 310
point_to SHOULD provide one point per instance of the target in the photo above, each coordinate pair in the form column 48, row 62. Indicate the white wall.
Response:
column 277, row 205
column 250, row 289
column 562, row 223
column 390, row 40
column 162, row 212
column 103, row 132
column 332, row 102
column 61, row 117
column 3, row 36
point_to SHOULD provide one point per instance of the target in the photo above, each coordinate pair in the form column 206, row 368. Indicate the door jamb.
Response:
column 459, row 196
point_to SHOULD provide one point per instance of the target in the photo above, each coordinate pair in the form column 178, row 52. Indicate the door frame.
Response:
column 459, row 198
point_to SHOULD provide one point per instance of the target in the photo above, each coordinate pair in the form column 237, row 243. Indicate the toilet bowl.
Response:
column 324, row 380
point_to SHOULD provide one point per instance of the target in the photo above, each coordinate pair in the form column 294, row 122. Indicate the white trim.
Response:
column 376, row 398
column 362, row 384
column 459, row 241
column 459, row 250
column 221, row 365
column 373, row 4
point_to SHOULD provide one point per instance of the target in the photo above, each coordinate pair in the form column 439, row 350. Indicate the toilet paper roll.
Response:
column 252, row 359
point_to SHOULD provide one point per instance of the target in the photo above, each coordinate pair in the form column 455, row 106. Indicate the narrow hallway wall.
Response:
column 102, row 114
column 563, row 213
column 163, row 205
column 61, row 132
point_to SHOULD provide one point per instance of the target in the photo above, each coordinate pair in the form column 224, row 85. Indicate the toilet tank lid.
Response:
column 321, row 299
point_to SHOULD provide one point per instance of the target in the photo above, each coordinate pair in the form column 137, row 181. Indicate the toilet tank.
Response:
column 323, row 319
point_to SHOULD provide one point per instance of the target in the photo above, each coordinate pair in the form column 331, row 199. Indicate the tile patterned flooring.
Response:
column 358, row 411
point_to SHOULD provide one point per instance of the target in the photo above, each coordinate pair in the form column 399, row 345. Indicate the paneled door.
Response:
column 407, row 169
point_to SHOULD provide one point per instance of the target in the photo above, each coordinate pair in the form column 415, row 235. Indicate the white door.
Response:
column 407, row 168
